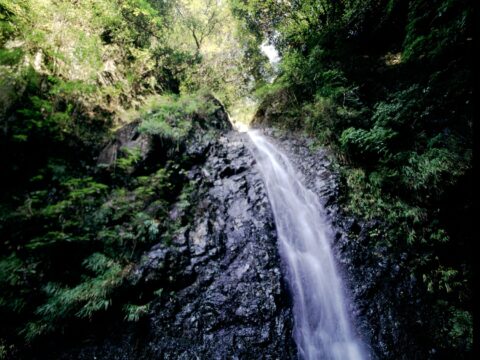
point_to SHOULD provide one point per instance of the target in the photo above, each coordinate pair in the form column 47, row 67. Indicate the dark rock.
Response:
column 128, row 137
column 224, row 296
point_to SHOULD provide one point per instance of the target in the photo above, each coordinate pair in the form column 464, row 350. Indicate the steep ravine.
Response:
column 224, row 293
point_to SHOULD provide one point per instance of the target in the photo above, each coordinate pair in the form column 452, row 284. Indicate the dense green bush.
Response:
column 72, row 245
column 171, row 116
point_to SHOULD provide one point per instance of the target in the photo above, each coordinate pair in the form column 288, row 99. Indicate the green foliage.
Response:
column 435, row 170
column 98, row 231
column 92, row 295
column 135, row 312
column 431, row 33
column 228, row 56
column 69, row 70
column 461, row 328
column 373, row 142
column 131, row 156
column 172, row 116
column 10, row 57
column 266, row 90
column 13, row 275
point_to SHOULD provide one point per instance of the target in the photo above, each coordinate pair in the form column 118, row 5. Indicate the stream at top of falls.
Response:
column 322, row 326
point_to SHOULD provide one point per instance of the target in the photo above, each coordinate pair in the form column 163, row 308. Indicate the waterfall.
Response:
column 322, row 327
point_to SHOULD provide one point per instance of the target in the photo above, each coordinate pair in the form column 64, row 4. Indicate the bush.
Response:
column 73, row 266
column 84, row 300
column 367, row 143
column 172, row 116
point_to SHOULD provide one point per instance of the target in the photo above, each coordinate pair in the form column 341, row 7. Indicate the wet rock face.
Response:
column 237, row 306
column 223, row 292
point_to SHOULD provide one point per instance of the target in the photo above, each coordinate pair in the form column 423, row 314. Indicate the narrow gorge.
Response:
column 257, row 269
column 237, row 179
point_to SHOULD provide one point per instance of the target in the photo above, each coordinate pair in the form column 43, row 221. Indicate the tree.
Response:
column 199, row 17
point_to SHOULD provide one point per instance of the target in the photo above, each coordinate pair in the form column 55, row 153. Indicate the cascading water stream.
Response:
column 322, row 328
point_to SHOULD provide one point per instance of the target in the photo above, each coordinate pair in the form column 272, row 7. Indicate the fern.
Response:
column 133, row 313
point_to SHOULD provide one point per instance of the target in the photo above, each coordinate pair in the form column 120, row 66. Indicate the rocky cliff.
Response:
column 223, row 294
column 221, row 279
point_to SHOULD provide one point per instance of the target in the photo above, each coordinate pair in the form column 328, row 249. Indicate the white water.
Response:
column 322, row 328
